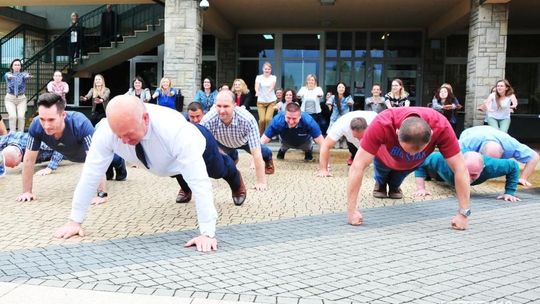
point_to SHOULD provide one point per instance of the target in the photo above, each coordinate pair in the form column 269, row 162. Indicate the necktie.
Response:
column 140, row 154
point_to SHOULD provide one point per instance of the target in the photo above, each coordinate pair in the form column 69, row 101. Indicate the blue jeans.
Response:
column 233, row 152
column 386, row 176
column 218, row 165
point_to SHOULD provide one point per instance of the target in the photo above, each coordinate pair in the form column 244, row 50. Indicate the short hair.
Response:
column 268, row 64
column 311, row 76
column 358, row 124
column 293, row 94
column 376, row 85
column 137, row 78
column 292, row 107
column 415, row 131
column 50, row 99
column 195, row 106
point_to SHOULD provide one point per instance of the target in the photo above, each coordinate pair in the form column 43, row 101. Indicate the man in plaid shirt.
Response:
column 13, row 146
column 235, row 128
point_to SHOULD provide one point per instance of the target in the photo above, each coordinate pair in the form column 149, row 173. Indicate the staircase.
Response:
column 140, row 28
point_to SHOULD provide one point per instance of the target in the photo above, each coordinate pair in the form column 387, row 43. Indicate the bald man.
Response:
column 13, row 147
column 481, row 168
column 497, row 144
column 398, row 141
column 161, row 140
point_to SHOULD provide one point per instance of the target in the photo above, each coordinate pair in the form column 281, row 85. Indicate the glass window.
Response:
column 331, row 44
column 208, row 69
column 457, row 46
column 360, row 45
column 345, row 45
column 404, row 44
column 345, row 71
column 523, row 46
column 330, row 73
column 255, row 45
column 358, row 86
column 524, row 78
column 208, row 45
column 301, row 45
column 295, row 72
column 377, row 44
column 248, row 70
column 456, row 75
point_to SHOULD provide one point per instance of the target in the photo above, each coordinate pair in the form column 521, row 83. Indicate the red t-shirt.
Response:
column 380, row 138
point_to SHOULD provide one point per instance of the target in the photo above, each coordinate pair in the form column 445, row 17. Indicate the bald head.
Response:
column 474, row 163
column 128, row 118
column 492, row 149
column 12, row 156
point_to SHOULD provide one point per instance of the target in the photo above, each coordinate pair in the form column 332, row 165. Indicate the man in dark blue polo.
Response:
column 296, row 130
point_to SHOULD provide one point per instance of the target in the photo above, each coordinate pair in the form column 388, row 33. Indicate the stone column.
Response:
column 183, row 46
column 486, row 59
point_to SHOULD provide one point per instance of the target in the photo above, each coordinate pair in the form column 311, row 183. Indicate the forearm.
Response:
column 265, row 139
column 353, row 186
column 463, row 189
column 27, row 176
column 324, row 154
column 259, row 170
column 529, row 167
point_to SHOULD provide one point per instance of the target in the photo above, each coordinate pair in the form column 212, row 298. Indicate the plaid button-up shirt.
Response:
column 45, row 153
column 242, row 129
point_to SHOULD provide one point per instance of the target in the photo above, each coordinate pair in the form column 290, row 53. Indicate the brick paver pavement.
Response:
column 286, row 245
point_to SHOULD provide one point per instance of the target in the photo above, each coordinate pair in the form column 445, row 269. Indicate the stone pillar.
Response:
column 183, row 46
column 486, row 59
column 226, row 61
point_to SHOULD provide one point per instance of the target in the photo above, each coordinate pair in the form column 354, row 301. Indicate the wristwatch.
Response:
column 464, row 212
column 102, row 194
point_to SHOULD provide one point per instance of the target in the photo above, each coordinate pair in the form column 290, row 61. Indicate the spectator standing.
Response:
column 108, row 26
column 341, row 102
column 500, row 105
column 15, row 99
column 376, row 102
column 138, row 90
column 166, row 94
column 76, row 36
column 397, row 97
column 266, row 97
column 99, row 94
column 207, row 94
column 241, row 94
column 57, row 86
column 311, row 96
column 447, row 104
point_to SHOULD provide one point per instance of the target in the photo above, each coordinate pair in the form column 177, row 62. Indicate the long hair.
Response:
column 338, row 98
column 243, row 86
column 137, row 78
column 212, row 84
column 509, row 91
column 402, row 92
column 98, row 92
column 449, row 99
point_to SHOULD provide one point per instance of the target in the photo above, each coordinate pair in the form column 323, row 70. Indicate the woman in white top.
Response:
column 266, row 97
column 138, row 90
column 500, row 104
column 311, row 95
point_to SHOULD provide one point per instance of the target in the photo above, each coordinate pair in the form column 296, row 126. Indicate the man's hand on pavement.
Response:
column 26, row 197
column 509, row 198
column 203, row 243
column 355, row 218
column 98, row 200
column 43, row 172
column 70, row 229
column 323, row 173
column 459, row 222
column 421, row 192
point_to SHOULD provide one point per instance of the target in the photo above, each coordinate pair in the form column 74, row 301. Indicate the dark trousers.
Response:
column 233, row 152
column 352, row 149
column 218, row 165
column 386, row 176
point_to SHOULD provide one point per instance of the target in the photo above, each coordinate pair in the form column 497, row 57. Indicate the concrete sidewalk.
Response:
column 290, row 244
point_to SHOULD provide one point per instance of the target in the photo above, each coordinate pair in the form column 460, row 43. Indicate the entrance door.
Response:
column 374, row 75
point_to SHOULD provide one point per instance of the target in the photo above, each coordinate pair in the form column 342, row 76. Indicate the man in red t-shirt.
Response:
column 397, row 142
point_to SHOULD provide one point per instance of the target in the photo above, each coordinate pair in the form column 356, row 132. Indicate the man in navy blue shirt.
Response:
column 69, row 133
column 481, row 168
column 296, row 130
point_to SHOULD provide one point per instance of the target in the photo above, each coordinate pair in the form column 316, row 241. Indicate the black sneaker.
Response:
column 308, row 156
column 280, row 154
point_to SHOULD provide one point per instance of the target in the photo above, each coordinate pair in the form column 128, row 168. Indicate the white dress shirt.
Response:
column 172, row 146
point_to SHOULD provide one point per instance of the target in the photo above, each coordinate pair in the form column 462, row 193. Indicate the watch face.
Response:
column 465, row 212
